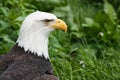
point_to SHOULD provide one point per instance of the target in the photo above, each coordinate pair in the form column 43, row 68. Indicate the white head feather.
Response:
column 34, row 33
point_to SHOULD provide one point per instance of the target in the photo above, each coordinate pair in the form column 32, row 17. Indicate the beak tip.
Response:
column 60, row 24
column 65, row 30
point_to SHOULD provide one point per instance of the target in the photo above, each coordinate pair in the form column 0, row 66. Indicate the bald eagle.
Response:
column 29, row 58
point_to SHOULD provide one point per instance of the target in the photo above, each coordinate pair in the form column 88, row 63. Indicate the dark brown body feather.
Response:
column 21, row 65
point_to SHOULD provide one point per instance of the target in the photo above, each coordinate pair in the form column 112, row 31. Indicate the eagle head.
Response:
column 34, row 32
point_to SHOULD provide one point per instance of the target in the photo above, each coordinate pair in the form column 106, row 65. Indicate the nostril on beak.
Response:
column 58, row 21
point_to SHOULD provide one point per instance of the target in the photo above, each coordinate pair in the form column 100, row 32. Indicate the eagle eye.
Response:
column 48, row 20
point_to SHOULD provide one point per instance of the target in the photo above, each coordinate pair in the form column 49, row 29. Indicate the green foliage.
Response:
column 88, row 51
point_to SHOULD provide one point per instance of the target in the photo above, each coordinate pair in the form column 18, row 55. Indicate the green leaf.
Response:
column 6, row 38
column 77, row 34
column 3, row 11
column 110, row 11
column 89, row 22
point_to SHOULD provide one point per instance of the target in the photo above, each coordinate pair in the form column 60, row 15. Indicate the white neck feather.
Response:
column 35, row 42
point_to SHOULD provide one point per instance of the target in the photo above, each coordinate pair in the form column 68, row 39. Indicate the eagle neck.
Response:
column 35, row 43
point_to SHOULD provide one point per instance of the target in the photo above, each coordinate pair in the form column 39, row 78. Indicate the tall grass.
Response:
column 92, row 43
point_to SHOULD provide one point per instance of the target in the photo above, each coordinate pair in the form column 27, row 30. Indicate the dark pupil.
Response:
column 48, row 20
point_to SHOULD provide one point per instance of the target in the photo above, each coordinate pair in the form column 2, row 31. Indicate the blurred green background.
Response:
column 90, row 50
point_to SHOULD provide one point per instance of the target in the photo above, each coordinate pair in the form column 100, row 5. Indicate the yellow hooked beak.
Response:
column 60, row 24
